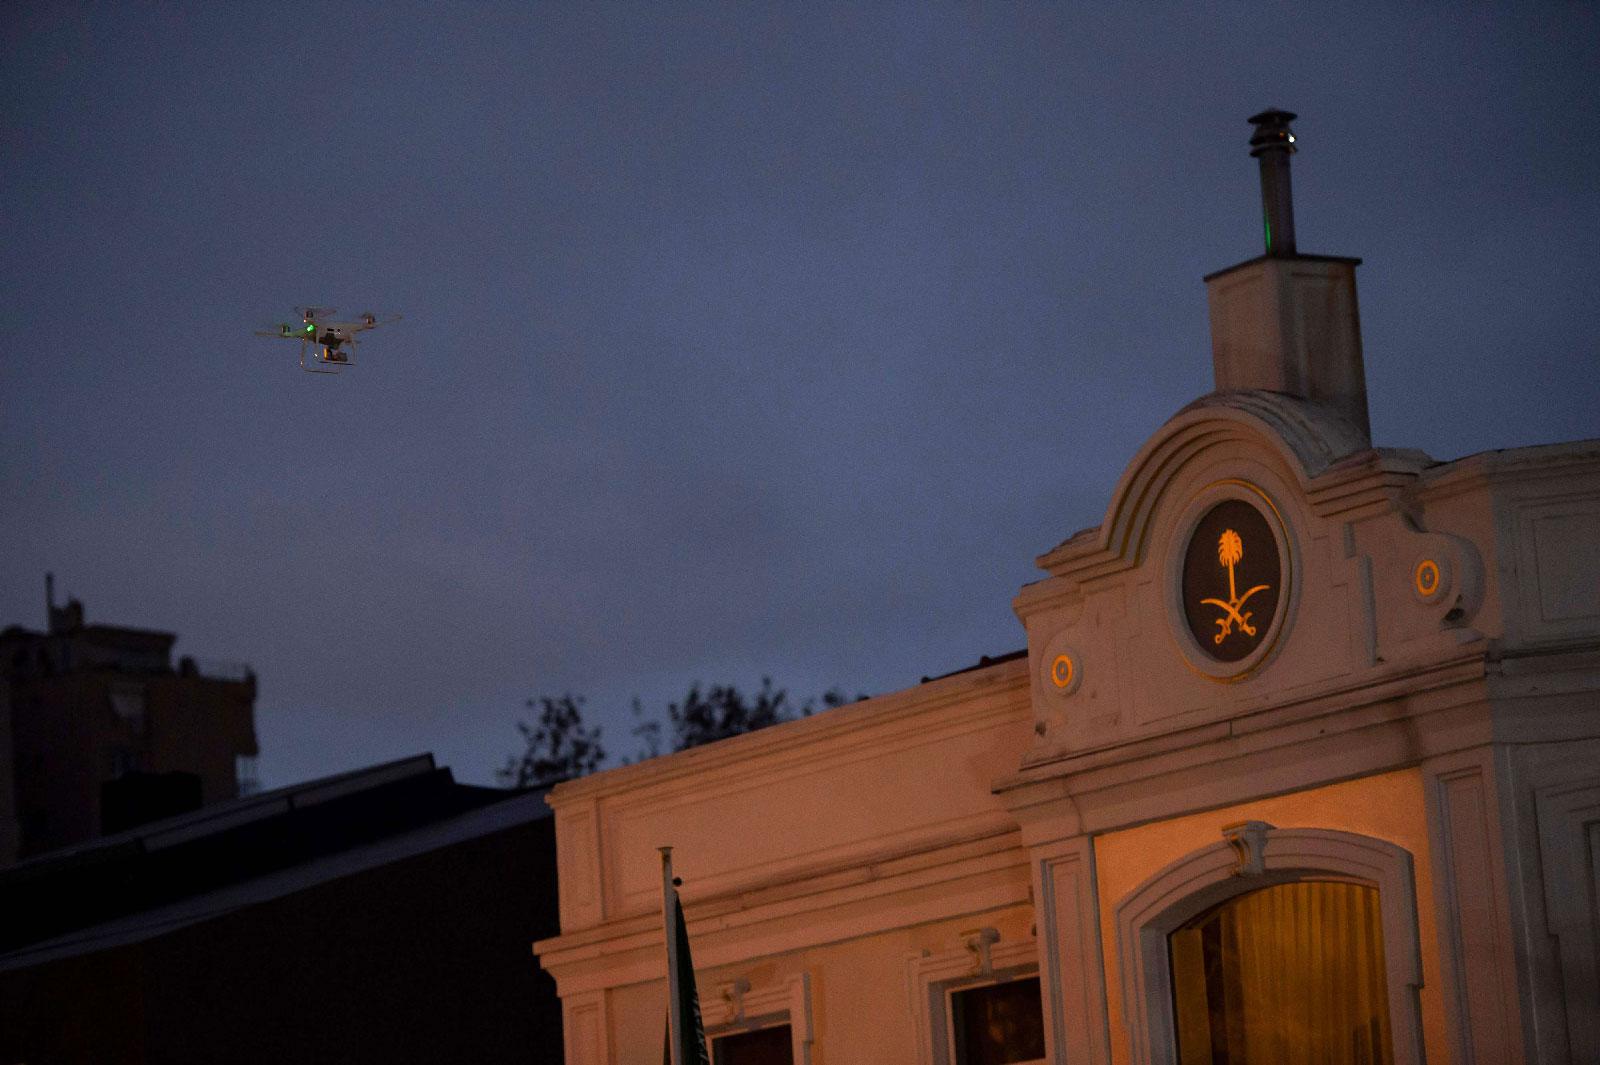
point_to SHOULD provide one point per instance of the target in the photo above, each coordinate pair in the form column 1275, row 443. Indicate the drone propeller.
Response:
column 285, row 329
column 312, row 313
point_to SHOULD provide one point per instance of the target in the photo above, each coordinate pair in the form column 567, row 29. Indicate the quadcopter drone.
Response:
column 330, row 338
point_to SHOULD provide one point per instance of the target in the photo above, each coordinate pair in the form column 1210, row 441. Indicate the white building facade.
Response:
column 1302, row 764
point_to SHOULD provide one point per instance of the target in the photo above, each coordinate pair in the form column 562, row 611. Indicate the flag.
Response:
column 685, row 1031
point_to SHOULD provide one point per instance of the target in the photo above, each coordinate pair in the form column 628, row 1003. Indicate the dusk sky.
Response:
column 739, row 340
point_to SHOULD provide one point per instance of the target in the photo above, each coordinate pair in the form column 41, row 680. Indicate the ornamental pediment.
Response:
column 1256, row 552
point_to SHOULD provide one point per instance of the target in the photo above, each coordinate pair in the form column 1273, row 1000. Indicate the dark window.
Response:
column 764, row 1046
column 1289, row 974
column 998, row 1024
column 137, row 798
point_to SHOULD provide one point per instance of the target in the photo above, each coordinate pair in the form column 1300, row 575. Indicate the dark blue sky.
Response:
column 738, row 339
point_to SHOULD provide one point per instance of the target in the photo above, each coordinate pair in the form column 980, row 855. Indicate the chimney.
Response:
column 1287, row 322
column 60, row 619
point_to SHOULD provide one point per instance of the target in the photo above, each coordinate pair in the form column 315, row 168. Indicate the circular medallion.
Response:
column 1425, row 578
column 1232, row 581
column 1061, row 671
column 1060, row 667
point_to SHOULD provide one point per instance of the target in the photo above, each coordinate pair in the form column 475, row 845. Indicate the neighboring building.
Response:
column 1302, row 763
column 105, row 734
column 378, row 916
column 10, row 828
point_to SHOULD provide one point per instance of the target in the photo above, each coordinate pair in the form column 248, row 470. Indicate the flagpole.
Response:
column 669, row 902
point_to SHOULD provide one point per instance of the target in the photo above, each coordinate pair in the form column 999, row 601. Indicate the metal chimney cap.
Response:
column 1272, row 131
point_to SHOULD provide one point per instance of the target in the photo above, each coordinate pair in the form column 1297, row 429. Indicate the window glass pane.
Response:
column 998, row 1024
column 1291, row 974
column 765, row 1046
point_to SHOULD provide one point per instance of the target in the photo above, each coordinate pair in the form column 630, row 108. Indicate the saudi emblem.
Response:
column 1232, row 581
column 1230, row 551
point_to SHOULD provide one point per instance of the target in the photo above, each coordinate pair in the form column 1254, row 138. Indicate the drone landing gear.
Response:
column 331, row 365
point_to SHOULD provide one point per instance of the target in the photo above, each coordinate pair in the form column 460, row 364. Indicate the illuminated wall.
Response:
column 1283, row 657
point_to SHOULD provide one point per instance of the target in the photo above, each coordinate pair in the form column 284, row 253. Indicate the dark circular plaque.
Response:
column 1231, row 579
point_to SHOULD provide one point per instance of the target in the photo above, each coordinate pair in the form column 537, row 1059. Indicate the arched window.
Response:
column 1291, row 974
column 1283, row 946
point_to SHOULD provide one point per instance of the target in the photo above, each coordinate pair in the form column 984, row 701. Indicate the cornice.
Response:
column 951, row 702
column 1371, row 481
column 807, row 912
column 1412, row 707
column 1305, row 438
column 1521, row 465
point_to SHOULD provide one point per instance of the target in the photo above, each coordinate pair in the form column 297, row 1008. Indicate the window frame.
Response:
column 754, row 1025
column 737, row 1008
column 934, row 978
column 1255, row 855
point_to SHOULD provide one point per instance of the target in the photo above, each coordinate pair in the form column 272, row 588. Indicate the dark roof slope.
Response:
column 236, row 843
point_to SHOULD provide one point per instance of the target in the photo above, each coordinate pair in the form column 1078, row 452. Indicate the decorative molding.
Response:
column 1569, row 848
column 1558, row 566
column 578, row 854
column 951, row 702
column 584, row 1029
column 1207, row 878
column 931, row 977
column 979, row 943
column 808, row 871
column 737, row 1007
column 733, row 994
column 790, row 785
column 1538, row 783
column 1442, row 577
column 1478, row 966
column 1363, row 600
column 1430, row 577
column 1305, row 438
column 1073, row 968
column 1392, row 720
column 1248, row 840
column 732, row 929
column 1061, row 668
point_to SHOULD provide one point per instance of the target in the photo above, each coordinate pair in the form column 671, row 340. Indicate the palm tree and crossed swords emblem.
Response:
column 1230, row 551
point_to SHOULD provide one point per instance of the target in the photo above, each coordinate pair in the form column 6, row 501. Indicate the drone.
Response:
column 330, row 338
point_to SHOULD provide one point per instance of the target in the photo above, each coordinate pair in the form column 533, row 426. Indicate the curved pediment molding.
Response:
column 1152, row 912
column 1304, row 439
